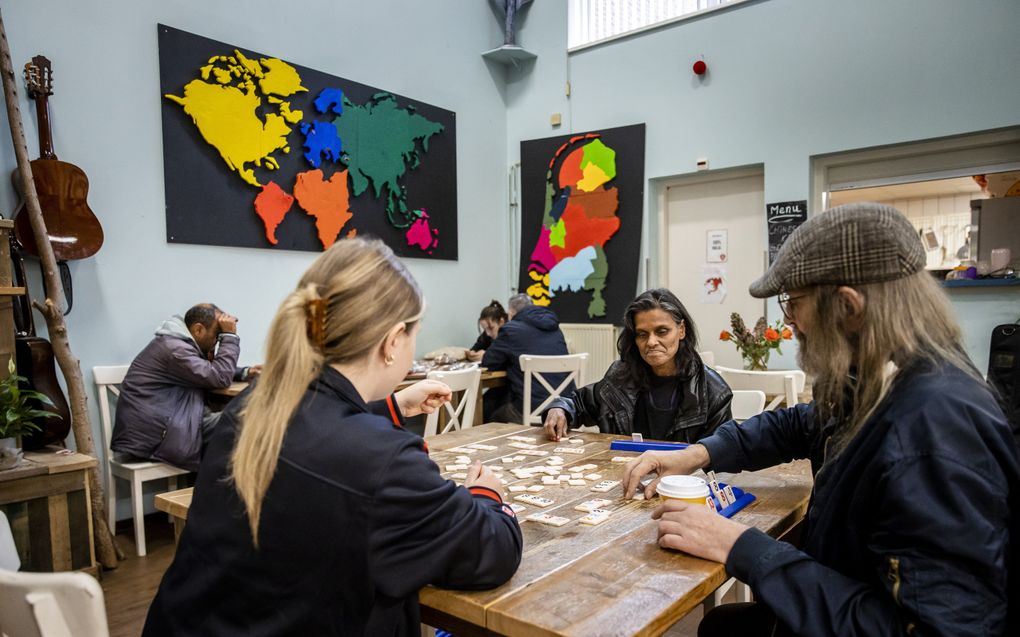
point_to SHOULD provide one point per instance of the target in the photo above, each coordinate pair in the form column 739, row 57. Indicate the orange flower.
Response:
column 725, row 336
column 771, row 335
column 787, row 334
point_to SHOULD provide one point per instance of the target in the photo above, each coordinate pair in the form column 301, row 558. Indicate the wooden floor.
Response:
column 131, row 586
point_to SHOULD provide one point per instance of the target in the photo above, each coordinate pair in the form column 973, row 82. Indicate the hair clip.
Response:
column 316, row 311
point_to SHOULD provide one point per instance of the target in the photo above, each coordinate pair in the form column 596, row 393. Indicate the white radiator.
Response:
column 598, row 341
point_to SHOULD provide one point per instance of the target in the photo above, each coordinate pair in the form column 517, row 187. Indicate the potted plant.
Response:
column 756, row 345
column 19, row 411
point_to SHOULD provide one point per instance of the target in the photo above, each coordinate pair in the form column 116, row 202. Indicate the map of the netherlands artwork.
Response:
column 581, row 211
column 262, row 153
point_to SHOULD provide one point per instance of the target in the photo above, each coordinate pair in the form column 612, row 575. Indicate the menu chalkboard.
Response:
column 783, row 218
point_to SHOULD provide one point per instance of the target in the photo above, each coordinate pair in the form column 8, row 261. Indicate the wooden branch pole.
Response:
column 70, row 367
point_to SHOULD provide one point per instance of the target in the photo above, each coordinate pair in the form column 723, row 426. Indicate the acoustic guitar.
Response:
column 72, row 227
column 34, row 357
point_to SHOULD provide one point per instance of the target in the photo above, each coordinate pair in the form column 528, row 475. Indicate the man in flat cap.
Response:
column 913, row 522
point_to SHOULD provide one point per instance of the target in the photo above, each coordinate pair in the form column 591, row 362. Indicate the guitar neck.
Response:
column 45, row 136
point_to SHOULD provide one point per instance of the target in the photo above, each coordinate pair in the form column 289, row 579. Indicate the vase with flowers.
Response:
column 756, row 345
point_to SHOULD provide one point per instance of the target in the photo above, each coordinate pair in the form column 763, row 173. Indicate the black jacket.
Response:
column 356, row 520
column 610, row 404
column 533, row 330
column 912, row 529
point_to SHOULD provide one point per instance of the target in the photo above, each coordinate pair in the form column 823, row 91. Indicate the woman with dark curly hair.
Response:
column 659, row 388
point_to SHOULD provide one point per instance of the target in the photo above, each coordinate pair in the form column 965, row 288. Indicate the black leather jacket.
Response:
column 610, row 403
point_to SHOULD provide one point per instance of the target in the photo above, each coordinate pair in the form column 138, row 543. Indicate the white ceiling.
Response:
column 918, row 189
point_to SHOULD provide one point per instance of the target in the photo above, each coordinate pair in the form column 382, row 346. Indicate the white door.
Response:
column 729, row 216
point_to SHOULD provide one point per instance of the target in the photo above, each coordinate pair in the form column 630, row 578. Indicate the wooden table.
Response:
column 176, row 503
column 47, row 502
column 611, row 579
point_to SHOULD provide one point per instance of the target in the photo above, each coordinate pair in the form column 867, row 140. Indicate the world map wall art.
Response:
column 262, row 153
column 581, row 210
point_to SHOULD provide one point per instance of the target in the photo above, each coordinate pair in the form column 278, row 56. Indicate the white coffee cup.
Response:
column 687, row 488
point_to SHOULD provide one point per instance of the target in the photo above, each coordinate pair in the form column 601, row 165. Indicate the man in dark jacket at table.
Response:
column 161, row 412
column 531, row 330
column 913, row 526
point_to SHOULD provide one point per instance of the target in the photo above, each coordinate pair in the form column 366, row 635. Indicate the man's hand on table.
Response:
column 555, row 423
column 696, row 529
column 664, row 463
column 423, row 397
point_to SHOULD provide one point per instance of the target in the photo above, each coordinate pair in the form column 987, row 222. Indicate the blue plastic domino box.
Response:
column 743, row 497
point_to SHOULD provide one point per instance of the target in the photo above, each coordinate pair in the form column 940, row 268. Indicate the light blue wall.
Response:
column 106, row 119
column 787, row 79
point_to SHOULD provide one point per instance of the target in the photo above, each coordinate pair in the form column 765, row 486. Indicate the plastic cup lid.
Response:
column 682, row 487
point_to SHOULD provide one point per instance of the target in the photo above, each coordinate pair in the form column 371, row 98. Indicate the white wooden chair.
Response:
column 536, row 367
column 51, row 605
column 708, row 358
column 786, row 385
column 747, row 403
column 107, row 381
column 463, row 415
column 9, row 558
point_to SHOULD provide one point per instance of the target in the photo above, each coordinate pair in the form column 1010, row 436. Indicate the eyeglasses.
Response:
column 784, row 303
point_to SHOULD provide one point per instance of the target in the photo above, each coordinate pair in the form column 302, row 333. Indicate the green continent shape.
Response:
column 602, row 156
column 558, row 234
column 596, row 282
column 550, row 194
column 379, row 140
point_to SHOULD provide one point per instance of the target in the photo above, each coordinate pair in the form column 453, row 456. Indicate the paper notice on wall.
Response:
column 713, row 288
column 716, row 246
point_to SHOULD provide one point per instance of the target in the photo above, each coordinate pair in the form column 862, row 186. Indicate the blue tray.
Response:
column 743, row 499
column 630, row 445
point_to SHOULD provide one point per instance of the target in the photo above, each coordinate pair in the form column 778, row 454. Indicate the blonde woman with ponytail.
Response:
column 315, row 512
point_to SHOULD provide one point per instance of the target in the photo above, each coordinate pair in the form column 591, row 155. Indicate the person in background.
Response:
column 161, row 411
column 914, row 520
column 315, row 512
column 659, row 387
column 531, row 329
column 492, row 318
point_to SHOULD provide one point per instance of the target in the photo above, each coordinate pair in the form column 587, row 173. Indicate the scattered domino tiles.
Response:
column 482, row 447
column 535, row 488
column 517, row 488
column 507, row 460
column 590, row 505
column 456, row 467
column 575, row 441
column 573, row 450
column 623, row 458
column 576, row 483
column 554, row 460
column 593, row 476
column 596, row 517
column 522, row 438
column 535, row 500
column 518, row 458
column 517, row 508
column 605, row 486
column 533, row 452
column 545, row 518
column 522, row 445
column 462, row 460
column 459, row 476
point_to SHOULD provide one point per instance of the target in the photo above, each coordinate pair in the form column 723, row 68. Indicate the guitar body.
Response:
column 73, row 228
column 35, row 361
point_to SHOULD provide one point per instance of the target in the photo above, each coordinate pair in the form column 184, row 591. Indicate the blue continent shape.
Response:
column 321, row 139
column 330, row 99
column 569, row 274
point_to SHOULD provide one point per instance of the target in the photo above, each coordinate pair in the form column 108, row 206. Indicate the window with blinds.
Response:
column 591, row 21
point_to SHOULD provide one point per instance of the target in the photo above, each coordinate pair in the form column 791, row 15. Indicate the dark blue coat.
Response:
column 533, row 330
column 356, row 520
column 912, row 529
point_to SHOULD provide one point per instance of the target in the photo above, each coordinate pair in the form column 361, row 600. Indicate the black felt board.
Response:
column 208, row 203
column 622, row 250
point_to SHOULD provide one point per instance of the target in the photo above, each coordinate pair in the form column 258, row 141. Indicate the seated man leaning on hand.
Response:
column 914, row 521
column 161, row 412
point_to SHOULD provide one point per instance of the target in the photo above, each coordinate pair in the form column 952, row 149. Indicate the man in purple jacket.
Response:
column 161, row 413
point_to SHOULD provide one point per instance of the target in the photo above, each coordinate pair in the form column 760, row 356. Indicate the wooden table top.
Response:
column 47, row 461
column 239, row 386
column 607, row 579
column 586, row 580
column 176, row 503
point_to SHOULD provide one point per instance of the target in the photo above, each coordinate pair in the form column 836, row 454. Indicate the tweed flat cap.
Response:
column 845, row 245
